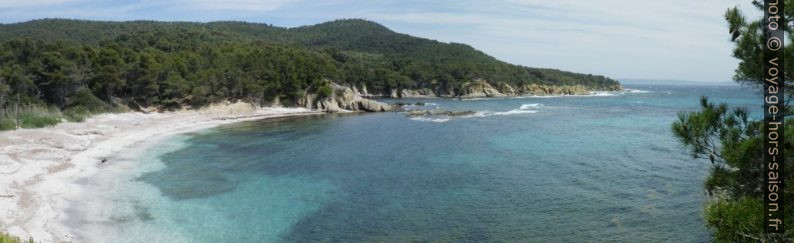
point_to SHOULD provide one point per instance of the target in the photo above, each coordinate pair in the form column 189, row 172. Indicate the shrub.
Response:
column 29, row 117
column 6, row 238
column 76, row 114
column 36, row 119
column 86, row 100
column 324, row 91
column 7, row 124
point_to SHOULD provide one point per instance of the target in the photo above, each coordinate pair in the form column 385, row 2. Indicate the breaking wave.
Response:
column 523, row 109
column 530, row 106
column 636, row 91
column 514, row 112
column 431, row 119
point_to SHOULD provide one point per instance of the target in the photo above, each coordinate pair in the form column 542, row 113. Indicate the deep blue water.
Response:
column 570, row 169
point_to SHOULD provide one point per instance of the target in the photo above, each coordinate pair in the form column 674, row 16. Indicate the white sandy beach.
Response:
column 39, row 168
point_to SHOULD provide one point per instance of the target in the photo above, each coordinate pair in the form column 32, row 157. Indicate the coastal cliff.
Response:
column 481, row 88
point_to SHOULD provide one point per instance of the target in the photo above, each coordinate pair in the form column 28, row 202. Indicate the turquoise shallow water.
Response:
column 571, row 169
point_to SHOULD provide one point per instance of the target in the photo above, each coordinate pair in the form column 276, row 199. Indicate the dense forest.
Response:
column 89, row 65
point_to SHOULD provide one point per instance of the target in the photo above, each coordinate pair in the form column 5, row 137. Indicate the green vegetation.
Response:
column 29, row 117
column 84, row 67
column 733, row 143
column 6, row 238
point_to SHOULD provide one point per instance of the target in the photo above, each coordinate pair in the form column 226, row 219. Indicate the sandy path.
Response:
column 39, row 168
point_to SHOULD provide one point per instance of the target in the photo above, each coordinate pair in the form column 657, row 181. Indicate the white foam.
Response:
column 636, row 91
column 602, row 93
column 590, row 94
column 514, row 112
column 537, row 96
column 430, row 119
column 530, row 106
column 490, row 98
column 501, row 113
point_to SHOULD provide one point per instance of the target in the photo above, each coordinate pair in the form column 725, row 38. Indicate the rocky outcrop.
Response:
column 536, row 89
column 479, row 88
column 506, row 89
column 364, row 92
column 616, row 87
column 419, row 93
column 342, row 99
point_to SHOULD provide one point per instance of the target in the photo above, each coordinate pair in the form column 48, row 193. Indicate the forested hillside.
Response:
column 88, row 64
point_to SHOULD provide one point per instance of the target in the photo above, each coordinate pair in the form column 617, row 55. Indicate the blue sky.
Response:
column 652, row 39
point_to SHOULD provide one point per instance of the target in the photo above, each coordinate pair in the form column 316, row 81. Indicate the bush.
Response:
column 76, row 114
column 29, row 117
column 6, row 238
column 324, row 91
column 731, row 219
column 86, row 100
column 7, row 124
column 36, row 119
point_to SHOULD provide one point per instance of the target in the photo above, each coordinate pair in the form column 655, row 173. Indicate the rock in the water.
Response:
column 373, row 106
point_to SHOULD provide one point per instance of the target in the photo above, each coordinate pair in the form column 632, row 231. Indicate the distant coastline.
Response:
column 673, row 82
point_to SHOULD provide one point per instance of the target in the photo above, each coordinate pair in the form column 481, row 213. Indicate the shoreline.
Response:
column 595, row 93
column 42, row 168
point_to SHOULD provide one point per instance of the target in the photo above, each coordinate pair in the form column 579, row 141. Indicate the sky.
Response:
column 622, row 39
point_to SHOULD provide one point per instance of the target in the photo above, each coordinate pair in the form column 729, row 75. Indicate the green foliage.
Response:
column 6, row 238
column 324, row 91
column 170, row 64
column 37, row 119
column 86, row 100
column 7, row 123
column 728, row 139
column 749, row 40
column 736, row 221
column 88, row 67
column 29, row 117
column 734, row 143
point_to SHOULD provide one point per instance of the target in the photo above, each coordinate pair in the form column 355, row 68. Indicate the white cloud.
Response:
column 32, row 3
column 236, row 5
column 675, row 39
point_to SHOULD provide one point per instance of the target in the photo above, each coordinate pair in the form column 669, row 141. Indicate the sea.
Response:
column 589, row 168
